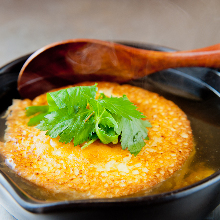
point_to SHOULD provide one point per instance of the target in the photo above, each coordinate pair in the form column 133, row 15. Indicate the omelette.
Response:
column 100, row 170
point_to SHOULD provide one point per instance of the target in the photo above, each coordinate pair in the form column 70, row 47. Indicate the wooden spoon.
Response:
column 78, row 60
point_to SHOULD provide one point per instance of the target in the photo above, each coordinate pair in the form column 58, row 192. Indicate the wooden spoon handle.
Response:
column 156, row 61
column 209, row 48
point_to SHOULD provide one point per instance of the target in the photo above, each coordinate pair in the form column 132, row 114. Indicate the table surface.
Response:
column 26, row 26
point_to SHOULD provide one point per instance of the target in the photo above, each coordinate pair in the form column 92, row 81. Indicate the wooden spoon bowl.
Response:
column 72, row 61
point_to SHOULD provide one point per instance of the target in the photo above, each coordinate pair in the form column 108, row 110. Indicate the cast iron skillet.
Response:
column 197, row 92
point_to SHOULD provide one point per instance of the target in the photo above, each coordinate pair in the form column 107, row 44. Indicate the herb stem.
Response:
column 88, row 143
column 89, row 116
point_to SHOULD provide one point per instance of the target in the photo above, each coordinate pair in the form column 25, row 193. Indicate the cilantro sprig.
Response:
column 75, row 115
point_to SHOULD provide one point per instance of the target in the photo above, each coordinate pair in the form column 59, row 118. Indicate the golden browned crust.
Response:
column 100, row 170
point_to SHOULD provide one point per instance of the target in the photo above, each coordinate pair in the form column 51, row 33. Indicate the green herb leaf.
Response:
column 75, row 114
column 41, row 111
column 121, row 106
column 104, row 123
column 32, row 110
column 68, row 126
column 73, row 98
column 133, row 134
column 37, row 119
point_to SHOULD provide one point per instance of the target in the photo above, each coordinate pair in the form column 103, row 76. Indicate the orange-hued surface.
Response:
column 99, row 170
